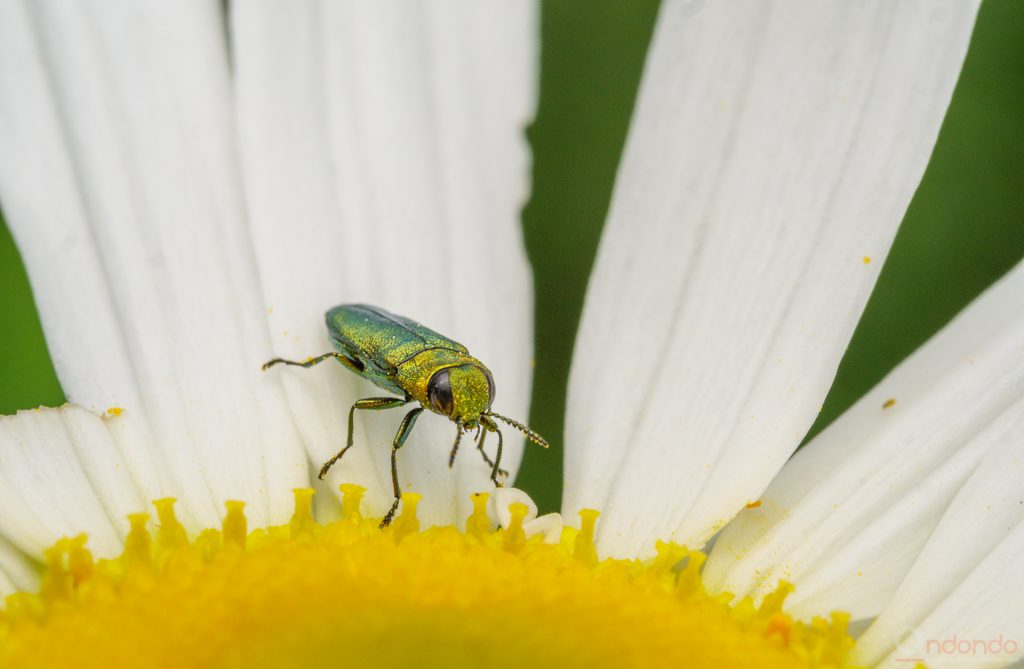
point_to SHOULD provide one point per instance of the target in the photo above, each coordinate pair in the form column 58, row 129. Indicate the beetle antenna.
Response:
column 530, row 434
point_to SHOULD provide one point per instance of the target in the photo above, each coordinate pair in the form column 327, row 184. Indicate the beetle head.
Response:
column 462, row 393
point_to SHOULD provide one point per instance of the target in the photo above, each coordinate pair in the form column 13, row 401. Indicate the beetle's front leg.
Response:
column 403, row 433
column 455, row 447
column 483, row 454
column 491, row 426
column 371, row 403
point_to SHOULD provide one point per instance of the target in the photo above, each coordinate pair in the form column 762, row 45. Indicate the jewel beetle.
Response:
column 401, row 356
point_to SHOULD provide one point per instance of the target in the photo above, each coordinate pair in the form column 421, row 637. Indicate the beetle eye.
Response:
column 439, row 391
column 490, row 387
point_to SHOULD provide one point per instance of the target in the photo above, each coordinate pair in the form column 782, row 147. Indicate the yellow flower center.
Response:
column 347, row 594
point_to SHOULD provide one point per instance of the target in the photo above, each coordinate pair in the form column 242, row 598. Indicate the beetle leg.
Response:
column 483, row 454
column 491, row 426
column 372, row 403
column 353, row 365
column 403, row 433
column 455, row 446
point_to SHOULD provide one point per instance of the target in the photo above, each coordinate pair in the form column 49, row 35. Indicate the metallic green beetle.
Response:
column 406, row 358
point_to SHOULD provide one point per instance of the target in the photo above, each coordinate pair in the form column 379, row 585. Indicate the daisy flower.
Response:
column 191, row 185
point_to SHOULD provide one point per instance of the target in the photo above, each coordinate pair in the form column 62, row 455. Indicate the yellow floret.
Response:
column 346, row 594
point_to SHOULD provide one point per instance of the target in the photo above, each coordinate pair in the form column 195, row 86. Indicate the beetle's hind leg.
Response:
column 403, row 433
column 496, row 471
column 371, row 403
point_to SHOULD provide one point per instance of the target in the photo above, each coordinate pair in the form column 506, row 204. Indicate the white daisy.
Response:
column 190, row 191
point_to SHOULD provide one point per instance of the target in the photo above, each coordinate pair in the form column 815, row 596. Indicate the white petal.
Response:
column 45, row 487
column 17, row 571
column 959, row 567
column 498, row 509
column 138, row 252
column 774, row 148
column 43, row 203
column 61, row 474
column 389, row 138
column 987, row 606
column 500, row 501
column 550, row 525
column 849, row 514
column 95, row 443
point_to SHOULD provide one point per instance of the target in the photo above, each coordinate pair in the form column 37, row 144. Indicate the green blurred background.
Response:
column 964, row 228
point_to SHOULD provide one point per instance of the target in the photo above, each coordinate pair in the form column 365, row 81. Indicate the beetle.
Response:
column 401, row 356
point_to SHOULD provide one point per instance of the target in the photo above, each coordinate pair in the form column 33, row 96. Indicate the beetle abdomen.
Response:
column 382, row 342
